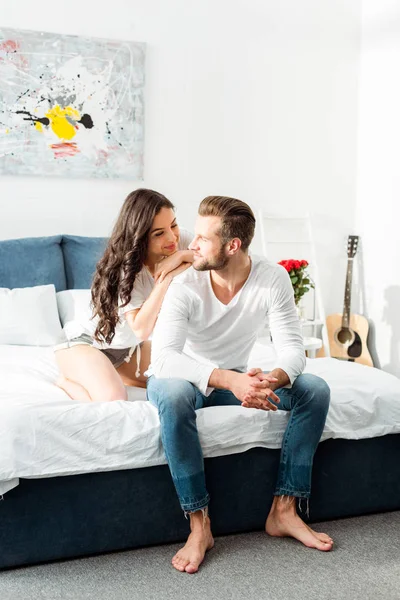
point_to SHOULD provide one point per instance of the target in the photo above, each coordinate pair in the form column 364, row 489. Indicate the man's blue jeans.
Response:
column 177, row 401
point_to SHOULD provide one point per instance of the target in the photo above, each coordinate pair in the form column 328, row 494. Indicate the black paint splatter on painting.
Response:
column 23, row 94
column 30, row 117
column 86, row 121
column 43, row 99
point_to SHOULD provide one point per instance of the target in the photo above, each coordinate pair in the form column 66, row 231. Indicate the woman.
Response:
column 145, row 252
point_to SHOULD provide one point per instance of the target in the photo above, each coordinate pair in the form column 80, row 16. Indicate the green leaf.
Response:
column 294, row 279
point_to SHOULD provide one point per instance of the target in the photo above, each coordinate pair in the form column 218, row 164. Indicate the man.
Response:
column 201, row 344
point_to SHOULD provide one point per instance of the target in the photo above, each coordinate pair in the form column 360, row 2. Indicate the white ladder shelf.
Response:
column 292, row 237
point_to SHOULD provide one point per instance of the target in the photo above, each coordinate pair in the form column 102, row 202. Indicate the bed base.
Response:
column 73, row 516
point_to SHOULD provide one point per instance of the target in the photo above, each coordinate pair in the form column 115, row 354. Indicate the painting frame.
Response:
column 71, row 106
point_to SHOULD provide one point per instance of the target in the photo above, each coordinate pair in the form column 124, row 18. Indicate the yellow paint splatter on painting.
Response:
column 39, row 126
column 7, row 131
column 59, row 123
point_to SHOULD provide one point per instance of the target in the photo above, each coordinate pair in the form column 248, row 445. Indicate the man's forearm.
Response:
column 172, row 364
column 221, row 379
column 224, row 379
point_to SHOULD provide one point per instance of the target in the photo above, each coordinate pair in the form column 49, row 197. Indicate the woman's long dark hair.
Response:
column 123, row 259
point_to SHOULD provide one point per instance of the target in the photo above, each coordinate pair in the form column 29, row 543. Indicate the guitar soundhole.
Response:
column 345, row 336
column 351, row 342
column 355, row 350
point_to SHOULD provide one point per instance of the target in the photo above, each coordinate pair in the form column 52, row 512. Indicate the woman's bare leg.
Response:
column 127, row 371
column 74, row 390
column 88, row 374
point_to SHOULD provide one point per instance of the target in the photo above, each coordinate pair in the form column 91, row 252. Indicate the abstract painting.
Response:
column 71, row 106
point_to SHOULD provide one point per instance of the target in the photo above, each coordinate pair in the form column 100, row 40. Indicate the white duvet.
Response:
column 43, row 433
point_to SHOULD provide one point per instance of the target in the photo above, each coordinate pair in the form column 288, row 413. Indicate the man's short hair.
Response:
column 238, row 219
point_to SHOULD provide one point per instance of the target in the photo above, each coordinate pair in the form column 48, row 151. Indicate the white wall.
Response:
column 251, row 98
column 378, row 207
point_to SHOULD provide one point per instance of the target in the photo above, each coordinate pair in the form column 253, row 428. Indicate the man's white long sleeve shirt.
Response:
column 195, row 333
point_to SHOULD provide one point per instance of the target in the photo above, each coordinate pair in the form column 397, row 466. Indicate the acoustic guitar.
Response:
column 348, row 333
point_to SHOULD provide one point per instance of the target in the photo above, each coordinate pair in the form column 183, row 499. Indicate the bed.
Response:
column 82, row 478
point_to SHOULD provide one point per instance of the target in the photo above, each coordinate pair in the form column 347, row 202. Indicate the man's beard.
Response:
column 216, row 264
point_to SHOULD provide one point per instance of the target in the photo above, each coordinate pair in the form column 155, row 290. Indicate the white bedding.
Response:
column 43, row 433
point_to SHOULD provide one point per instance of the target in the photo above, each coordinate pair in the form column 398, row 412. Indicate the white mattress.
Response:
column 43, row 433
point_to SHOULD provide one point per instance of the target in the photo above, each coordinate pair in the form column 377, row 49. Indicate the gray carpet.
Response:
column 365, row 564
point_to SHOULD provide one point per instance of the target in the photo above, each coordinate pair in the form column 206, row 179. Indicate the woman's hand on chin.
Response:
column 170, row 264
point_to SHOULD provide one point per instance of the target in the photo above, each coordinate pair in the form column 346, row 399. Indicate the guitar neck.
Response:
column 347, row 295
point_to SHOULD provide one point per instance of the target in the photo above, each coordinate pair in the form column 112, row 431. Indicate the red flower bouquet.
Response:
column 299, row 277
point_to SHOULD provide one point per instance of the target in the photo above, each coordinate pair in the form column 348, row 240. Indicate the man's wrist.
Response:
column 222, row 379
column 281, row 376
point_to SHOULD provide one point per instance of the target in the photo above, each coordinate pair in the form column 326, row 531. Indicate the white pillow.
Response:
column 75, row 312
column 29, row 316
column 74, row 307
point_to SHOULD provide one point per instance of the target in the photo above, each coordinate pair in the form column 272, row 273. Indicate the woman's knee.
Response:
column 109, row 393
column 91, row 369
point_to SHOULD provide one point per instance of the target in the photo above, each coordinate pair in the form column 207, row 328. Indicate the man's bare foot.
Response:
column 199, row 541
column 283, row 521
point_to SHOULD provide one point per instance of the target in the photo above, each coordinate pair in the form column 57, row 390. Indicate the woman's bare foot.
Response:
column 283, row 521
column 199, row 541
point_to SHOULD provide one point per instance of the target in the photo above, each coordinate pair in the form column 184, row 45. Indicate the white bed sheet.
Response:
column 43, row 433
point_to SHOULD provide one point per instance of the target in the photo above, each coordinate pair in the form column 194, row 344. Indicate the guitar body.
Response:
column 348, row 333
column 349, row 343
